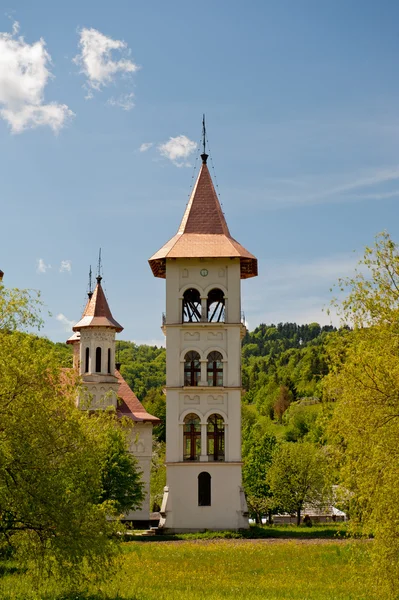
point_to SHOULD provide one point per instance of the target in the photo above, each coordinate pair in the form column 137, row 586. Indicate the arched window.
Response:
column 215, row 369
column 109, row 360
column 192, row 437
column 215, row 306
column 192, row 368
column 204, row 489
column 191, row 306
column 98, row 360
column 87, row 358
column 215, row 438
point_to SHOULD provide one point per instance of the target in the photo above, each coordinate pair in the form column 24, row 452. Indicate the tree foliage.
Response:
column 63, row 473
column 364, row 387
column 298, row 476
column 257, row 460
column 20, row 309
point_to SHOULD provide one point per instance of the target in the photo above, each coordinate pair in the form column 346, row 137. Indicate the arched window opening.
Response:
column 87, row 358
column 215, row 438
column 191, row 306
column 191, row 437
column 215, row 369
column 215, row 306
column 192, row 368
column 109, row 360
column 98, row 360
column 204, row 489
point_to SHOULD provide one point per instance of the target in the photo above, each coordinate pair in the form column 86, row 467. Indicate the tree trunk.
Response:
column 270, row 517
column 298, row 516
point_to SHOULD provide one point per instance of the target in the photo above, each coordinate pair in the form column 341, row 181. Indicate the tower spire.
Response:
column 90, row 292
column 99, row 278
column 204, row 155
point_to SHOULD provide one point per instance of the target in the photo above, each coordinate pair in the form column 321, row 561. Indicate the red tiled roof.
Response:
column 131, row 406
column 203, row 232
column 97, row 312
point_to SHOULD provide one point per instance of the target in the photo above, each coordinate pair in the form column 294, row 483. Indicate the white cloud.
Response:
column 146, row 146
column 24, row 75
column 66, row 266
column 124, row 101
column 67, row 323
column 177, row 150
column 96, row 62
column 41, row 266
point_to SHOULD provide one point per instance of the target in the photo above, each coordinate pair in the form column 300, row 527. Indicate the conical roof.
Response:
column 203, row 232
column 97, row 312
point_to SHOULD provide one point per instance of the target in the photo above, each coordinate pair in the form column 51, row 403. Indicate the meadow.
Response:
column 270, row 568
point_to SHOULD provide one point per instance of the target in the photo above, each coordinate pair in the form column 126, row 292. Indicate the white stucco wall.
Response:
column 180, row 507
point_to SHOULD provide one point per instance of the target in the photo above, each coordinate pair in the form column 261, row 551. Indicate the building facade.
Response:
column 203, row 267
column 93, row 344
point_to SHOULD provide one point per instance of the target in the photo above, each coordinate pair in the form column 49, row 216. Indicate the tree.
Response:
column 60, row 468
column 282, row 402
column 298, row 475
column 19, row 309
column 120, row 476
column 256, row 464
column 363, row 387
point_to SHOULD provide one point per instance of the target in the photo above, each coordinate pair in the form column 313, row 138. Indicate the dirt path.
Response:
column 243, row 541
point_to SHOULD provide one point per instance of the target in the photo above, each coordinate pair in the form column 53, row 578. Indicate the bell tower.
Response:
column 203, row 267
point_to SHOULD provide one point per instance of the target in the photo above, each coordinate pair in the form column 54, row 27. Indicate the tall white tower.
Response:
column 203, row 266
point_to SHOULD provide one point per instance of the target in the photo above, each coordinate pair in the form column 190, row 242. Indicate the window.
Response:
column 204, row 489
column 109, row 360
column 215, row 369
column 191, row 306
column 215, row 306
column 191, row 437
column 87, row 357
column 192, row 368
column 215, row 438
column 98, row 360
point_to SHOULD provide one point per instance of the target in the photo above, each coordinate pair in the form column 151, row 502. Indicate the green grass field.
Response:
column 296, row 569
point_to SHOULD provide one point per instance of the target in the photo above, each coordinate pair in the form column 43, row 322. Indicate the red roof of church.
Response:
column 203, row 232
column 97, row 312
column 131, row 406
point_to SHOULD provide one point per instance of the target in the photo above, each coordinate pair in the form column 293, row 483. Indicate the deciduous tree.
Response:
column 364, row 386
column 298, row 475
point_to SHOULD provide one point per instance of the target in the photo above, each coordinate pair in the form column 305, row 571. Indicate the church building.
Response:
column 203, row 324
column 93, row 344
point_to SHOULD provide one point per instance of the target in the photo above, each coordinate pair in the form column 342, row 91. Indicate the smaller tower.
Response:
column 94, row 357
column 93, row 343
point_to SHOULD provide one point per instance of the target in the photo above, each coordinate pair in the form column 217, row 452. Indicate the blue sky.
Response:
column 301, row 99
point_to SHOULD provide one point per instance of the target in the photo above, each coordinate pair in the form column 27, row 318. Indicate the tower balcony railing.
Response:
column 242, row 319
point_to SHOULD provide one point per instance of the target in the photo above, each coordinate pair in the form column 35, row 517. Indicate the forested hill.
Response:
column 288, row 355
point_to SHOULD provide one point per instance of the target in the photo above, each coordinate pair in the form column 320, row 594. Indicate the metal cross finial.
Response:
column 90, row 292
column 99, row 267
column 204, row 155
